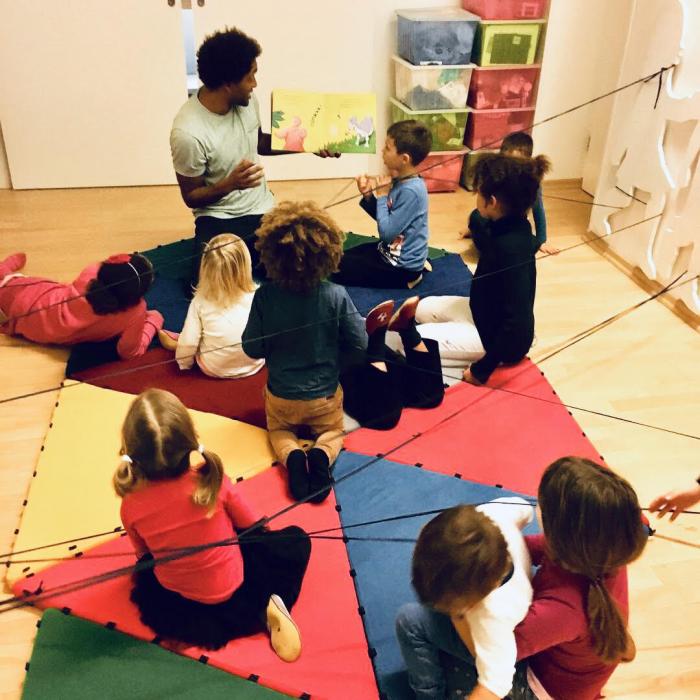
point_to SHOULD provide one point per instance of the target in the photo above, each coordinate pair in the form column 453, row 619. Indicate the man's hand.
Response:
column 382, row 185
column 324, row 153
column 243, row 177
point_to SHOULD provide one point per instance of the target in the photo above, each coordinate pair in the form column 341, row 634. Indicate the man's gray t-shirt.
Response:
column 212, row 145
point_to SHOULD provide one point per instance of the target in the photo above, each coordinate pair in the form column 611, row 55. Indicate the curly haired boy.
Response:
column 300, row 322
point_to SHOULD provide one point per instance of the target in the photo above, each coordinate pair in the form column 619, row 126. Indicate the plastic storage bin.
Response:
column 441, row 171
column 500, row 43
column 447, row 126
column 440, row 36
column 432, row 87
column 495, row 87
column 488, row 127
column 470, row 160
column 507, row 9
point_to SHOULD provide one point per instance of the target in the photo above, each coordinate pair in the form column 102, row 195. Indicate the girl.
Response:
column 497, row 325
column 105, row 301
column 575, row 632
column 176, row 496
column 218, row 313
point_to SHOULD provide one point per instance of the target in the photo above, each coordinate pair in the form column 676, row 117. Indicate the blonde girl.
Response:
column 218, row 313
column 175, row 496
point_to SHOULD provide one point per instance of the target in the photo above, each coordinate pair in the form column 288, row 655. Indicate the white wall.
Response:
column 585, row 39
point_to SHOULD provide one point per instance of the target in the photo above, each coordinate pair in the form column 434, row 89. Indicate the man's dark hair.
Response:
column 518, row 141
column 413, row 138
column 226, row 57
column 512, row 180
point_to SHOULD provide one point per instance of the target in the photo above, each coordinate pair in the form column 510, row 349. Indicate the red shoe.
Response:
column 405, row 315
column 379, row 316
column 13, row 263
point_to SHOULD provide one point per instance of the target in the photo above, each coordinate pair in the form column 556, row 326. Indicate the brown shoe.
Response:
column 405, row 315
column 379, row 316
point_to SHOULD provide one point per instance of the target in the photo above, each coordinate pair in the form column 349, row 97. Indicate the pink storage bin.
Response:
column 488, row 127
column 507, row 9
column 498, row 87
column 444, row 171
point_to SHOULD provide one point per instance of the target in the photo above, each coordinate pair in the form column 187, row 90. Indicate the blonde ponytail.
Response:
column 209, row 476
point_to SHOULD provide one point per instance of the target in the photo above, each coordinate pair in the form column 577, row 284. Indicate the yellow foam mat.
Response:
column 71, row 494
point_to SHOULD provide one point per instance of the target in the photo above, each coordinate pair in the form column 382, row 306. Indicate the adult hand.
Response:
column 324, row 153
column 675, row 502
column 244, row 176
column 382, row 185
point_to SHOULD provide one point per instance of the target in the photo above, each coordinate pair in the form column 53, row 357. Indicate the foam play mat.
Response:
column 352, row 240
column 450, row 277
column 70, row 494
column 334, row 664
column 74, row 659
column 386, row 489
column 503, row 434
column 241, row 399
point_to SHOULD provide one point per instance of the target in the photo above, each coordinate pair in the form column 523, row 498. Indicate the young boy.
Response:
column 497, row 325
column 471, row 572
column 400, row 207
column 519, row 144
column 299, row 322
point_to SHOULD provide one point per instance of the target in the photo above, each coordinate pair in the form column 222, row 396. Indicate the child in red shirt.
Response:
column 105, row 301
column 575, row 632
column 176, row 498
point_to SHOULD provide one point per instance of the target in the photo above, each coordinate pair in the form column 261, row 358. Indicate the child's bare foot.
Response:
column 284, row 634
column 168, row 340
column 549, row 249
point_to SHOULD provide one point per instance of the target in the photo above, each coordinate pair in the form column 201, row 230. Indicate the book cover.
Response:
column 311, row 121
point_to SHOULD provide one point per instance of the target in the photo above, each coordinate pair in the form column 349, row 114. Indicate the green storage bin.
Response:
column 501, row 43
column 447, row 126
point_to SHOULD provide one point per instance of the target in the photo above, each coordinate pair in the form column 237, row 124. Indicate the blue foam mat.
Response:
column 450, row 277
column 383, row 569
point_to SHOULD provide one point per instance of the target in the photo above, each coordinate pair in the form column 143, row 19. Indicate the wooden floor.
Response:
column 643, row 368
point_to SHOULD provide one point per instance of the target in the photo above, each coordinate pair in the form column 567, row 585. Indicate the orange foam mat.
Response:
column 334, row 664
column 504, row 434
column 71, row 492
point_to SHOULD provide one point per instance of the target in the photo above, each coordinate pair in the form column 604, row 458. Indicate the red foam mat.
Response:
column 241, row 399
column 504, row 434
column 334, row 664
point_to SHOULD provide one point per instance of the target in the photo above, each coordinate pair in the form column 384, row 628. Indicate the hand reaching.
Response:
column 675, row 502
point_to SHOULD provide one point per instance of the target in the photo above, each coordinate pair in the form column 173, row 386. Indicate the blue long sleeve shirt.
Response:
column 540, row 220
column 402, row 223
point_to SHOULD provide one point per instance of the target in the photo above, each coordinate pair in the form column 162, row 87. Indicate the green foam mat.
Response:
column 354, row 239
column 75, row 659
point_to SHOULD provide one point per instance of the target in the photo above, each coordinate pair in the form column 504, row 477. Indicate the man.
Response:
column 216, row 141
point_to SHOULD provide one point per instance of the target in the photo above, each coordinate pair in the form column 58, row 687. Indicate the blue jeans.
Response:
column 423, row 634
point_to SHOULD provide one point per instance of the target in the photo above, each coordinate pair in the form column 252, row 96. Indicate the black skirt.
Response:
column 273, row 562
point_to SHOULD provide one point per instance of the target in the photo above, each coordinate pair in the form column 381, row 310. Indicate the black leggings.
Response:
column 363, row 266
column 375, row 399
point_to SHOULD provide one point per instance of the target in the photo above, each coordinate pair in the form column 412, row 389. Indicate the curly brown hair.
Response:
column 299, row 245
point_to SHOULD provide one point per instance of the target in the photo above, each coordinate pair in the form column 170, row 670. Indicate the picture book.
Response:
column 311, row 121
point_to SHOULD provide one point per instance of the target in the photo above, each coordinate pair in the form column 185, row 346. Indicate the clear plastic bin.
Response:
column 488, row 127
column 441, row 171
column 496, row 87
column 439, row 36
column 499, row 43
column 447, row 126
column 507, row 9
column 432, row 87
column 470, row 159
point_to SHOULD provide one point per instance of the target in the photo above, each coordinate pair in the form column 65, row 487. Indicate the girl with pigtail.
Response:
column 105, row 301
column 575, row 633
column 176, row 499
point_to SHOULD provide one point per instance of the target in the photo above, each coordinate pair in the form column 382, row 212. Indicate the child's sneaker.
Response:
column 379, row 316
column 284, row 634
column 12, row 263
column 405, row 315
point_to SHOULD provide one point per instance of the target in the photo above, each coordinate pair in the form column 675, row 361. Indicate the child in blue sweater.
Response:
column 400, row 207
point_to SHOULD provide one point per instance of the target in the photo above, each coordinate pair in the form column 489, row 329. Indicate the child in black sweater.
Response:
column 498, row 325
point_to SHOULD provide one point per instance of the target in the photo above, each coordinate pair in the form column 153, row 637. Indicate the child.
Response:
column 400, row 208
column 218, row 313
column 575, row 632
column 519, row 145
column 378, row 387
column 675, row 502
column 498, row 324
column 175, row 496
column 105, row 301
column 299, row 323
column 471, row 571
